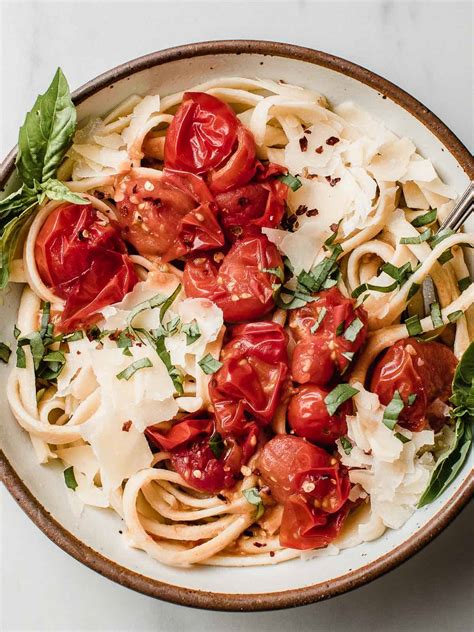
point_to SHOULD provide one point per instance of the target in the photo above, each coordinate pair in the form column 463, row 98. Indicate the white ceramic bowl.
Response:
column 95, row 538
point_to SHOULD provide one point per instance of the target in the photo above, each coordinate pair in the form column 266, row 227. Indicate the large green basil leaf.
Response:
column 46, row 134
column 10, row 234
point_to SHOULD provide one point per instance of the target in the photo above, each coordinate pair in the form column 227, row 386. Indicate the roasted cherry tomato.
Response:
column 242, row 286
column 169, row 215
column 423, row 370
column 331, row 341
column 313, row 487
column 239, row 169
column 309, row 418
column 250, row 384
column 260, row 203
column 202, row 134
column 188, row 442
column 81, row 257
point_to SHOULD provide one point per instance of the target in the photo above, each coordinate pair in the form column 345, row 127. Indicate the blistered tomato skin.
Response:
column 309, row 418
column 423, row 370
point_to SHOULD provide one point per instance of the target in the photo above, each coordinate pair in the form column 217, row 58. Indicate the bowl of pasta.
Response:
column 220, row 385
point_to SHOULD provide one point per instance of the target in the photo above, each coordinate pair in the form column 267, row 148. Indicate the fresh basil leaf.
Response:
column 401, row 437
column 346, row 444
column 436, row 316
column 278, row 272
column 253, row 497
column 321, row 315
column 424, row 236
column 165, row 357
column 124, row 341
column 413, row 290
column 130, row 371
column 340, row 394
column 425, row 219
column 5, row 352
column 314, row 280
column 192, row 331
column 10, row 235
column 454, row 316
column 46, row 134
column 56, row 190
column 20, row 358
column 16, row 332
column 463, row 384
column 375, row 288
column 299, row 299
column 14, row 204
column 413, row 325
column 73, row 336
column 291, row 181
column 440, row 236
column 209, row 365
column 37, row 348
column 217, row 445
column 169, row 301
column 45, row 316
column 340, row 329
column 446, row 256
column 353, row 330
column 464, row 283
column 393, row 410
column 411, row 399
column 55, row 356
column 70, row 479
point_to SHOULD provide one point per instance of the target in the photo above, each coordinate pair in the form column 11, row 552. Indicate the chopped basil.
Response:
column 192, row 331
column 16, row 332
column 253, row 497
column 340, row 329
column 5, row 352
column 159, row 300
column 400, row 274
column 299, row 299
column 20, row 358
column 413, row 290
column 440, row 235
column 70, row 479
column 278, row 272
column 209, row 365
column 375, row 288
column 401, row 437
column 424, row 236
column 217, row 445
column 55, row 356
column 73, row 336
column 124, row 341
column 413, row 325
column 338, row 396
column 321, row 315
column 165, row 357
column 45, row 318
column 353, row 329
column 314, row 280
column 455, row 315
column 393, row 410
column 346, row 445
column 127, row 373
column 37, row 348
column 411, row 399
column 425, row 219
column 291, row 181
column 446, row 256
column 436, row 317
column 464, row 283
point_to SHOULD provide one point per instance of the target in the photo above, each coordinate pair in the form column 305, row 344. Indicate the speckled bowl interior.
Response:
column 95, row 538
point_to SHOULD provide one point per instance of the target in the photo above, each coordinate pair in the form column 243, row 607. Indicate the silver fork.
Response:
column 461, row 211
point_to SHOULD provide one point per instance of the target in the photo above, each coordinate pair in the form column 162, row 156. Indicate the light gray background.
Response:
column 425, row 47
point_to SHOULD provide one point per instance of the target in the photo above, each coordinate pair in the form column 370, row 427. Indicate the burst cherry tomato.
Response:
column 239, row 169
column 331, row 347
column 202, row 134
column 188, row 442
column 424, row 370
column 309, row 418
column 81, row 257
column 242, row 286
column 170, row 216
column 313, row 487
column 251, row 381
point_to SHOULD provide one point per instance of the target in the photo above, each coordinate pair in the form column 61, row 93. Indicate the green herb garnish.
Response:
column 209, row 365
column 340, row 394
column 70, row 479
column 253, row 497
column 292, row 181
column 393, row 410
column 127, row 373
column 425, row 219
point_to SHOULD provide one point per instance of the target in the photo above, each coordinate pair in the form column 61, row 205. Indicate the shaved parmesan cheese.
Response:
column 301, row 247
column 392, row 159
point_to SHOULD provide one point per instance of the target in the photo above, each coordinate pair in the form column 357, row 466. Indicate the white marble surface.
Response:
column 421, row 46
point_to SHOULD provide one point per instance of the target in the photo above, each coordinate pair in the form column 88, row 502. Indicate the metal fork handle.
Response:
column 461, row 211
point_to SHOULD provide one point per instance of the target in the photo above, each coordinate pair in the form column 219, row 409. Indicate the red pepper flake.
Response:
column 259, row 544
column 332, row 181
column 126, row 426
column 303, row 141
column 307, row 131
column 319, row 150
column 332, row 140
column 334, row 227
column 272, row 553
column 312, row 212
column 302, row 209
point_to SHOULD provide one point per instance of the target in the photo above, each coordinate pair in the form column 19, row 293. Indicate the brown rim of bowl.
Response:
column 264, row 601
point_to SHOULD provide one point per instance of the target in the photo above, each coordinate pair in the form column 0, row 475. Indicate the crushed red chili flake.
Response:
column 332, row 181
column 312, row 212
column 307, row 131
column 126, row 426
column 301, row 210
column 259, row 544
column 222, row 497
column 272, row 553
column 332, row 140
column 303, row 141
column 319, row 150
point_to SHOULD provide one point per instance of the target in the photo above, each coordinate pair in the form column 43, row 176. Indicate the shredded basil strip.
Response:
column 436, row 317
column 55, row 356
column 314, row 280
column 346, row 445
column 70, row 479
column 340, row 329
column 165, row 357
column 400, row 274
column 413, row 290
column 393, row 410
column 5, row 352
column 425, row 219
column 401, row 437
column 375, row 288
column 291, row 181
column 464, row 283
column 340, row 394
column 192, row 331
column 411, row 399
column 45, row 318
column 217, row 445
column 440, row 236
column 253, row 497
column 20, row 358
column 424, row 236
column 455, row 315
column 16, row 332
column 278, row 272
column 160, row 300
column 321, row 316
column 446, row 256
column 413, row 325
column 128, row 372
column 209, row 365
column 73, row 336
column 353, row 329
